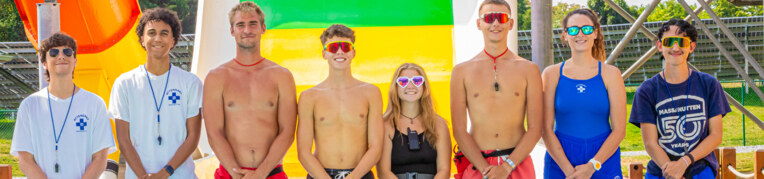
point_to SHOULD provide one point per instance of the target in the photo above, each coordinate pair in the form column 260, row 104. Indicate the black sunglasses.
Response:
column 67, row 51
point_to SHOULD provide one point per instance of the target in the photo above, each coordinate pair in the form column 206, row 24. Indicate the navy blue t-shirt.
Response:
column 652, row 104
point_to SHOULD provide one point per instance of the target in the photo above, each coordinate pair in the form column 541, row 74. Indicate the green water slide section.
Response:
column 303, row 14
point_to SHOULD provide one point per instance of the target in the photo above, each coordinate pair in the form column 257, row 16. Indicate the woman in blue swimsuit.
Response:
column 584, row 105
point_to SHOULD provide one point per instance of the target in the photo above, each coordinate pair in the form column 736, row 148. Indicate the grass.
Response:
column 6, row 135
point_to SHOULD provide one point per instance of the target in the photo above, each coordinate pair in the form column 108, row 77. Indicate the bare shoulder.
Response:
column 389, row 128
column 524, row 63
column 370, row 90
column 217, row 75
column 610, row 72
column 552, row 70
column 309, row 94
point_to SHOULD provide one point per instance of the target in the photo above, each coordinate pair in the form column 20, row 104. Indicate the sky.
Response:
column 629, row 2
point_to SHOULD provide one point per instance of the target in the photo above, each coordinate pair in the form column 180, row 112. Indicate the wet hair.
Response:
column 598, row 50
column 684, row 27
column 496, row 2
column 246, row 7
column 159, row 14
column 337, row 30
column 58, row 39
column 426, row 107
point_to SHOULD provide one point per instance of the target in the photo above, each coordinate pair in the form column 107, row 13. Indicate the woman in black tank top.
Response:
column 417, row 143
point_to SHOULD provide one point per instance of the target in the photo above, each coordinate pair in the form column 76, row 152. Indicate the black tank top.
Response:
column 404, row 160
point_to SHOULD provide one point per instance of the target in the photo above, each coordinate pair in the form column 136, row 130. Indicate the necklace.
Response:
column 58, row 137
column 261, row 60
column 495, row 81
column 411, row 118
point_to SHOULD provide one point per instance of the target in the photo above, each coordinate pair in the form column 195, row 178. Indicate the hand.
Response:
column 674, row 169
column 496, row 172
column 244, row 173
column 568, row 172
column 145, row 176
column 159, row 175
column 583, row 171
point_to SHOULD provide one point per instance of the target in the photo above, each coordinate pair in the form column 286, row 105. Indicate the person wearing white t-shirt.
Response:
column 156, row 106
column 62, row 131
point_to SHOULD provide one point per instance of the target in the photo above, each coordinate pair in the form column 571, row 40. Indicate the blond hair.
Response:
column 426, row 106
column 246, row 7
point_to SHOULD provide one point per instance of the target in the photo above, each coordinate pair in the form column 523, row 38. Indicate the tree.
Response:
column 559, row 12
column 11, row 26
column 186, row 10
column 667, row 10
column 607, row 14
column 524, row 15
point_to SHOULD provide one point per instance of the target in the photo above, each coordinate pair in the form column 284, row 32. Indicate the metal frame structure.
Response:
column 692, row 13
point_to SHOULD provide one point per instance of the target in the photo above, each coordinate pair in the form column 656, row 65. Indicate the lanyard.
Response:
column 686, row 102
column 52, row 123
column 495, row 81
column 161, row 100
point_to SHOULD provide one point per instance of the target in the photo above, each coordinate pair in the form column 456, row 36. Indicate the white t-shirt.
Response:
column 131, row 101
column 87, row 131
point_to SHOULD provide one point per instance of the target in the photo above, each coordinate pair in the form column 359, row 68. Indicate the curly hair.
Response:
column 337, row 30
column 159, row 15
column 684, row 27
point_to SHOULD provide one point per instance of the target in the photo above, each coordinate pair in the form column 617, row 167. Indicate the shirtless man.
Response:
column 341, row 114
column 498, row 88
column 249, row 104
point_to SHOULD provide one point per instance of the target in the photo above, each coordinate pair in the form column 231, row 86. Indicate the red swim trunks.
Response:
column 276, row 173
column 465, row 169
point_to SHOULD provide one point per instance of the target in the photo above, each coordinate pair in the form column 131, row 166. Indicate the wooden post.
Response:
column 635, row 170
column 758, row 164
column 718, row 160
column 5, row 171
column 728, row 158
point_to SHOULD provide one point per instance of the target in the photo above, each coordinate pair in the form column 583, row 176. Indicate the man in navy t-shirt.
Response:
column 679, row 110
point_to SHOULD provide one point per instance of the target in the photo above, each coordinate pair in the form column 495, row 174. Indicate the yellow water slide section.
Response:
column 379, row 52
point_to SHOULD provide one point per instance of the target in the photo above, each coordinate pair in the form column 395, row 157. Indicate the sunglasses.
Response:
column 573, row 30
column 404, row 81
column 670, row 41
column 493, row 16
column 336, row 46
column 67, row 51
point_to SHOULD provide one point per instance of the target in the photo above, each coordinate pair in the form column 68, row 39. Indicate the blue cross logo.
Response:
column 81, row 123
column 174, row 98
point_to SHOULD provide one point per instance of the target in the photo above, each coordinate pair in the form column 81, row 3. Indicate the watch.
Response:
column 169, row 169
column 596, row 164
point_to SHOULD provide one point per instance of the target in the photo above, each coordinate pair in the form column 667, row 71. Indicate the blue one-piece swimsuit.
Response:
column 582, row 113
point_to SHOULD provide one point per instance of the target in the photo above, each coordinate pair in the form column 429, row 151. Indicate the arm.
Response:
column 714, row 138
column 617, row 95
column 127, row 148
column 193, row 128
column 383, row 167
column 534, row 119
column 29, row 167
column 443, row 148
column 287, row 117
column 550, row 77
column 375, row 134
column 465, row 141
column 305, row 138
column 212, row 107
column 650, row 139
column 97, row 165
